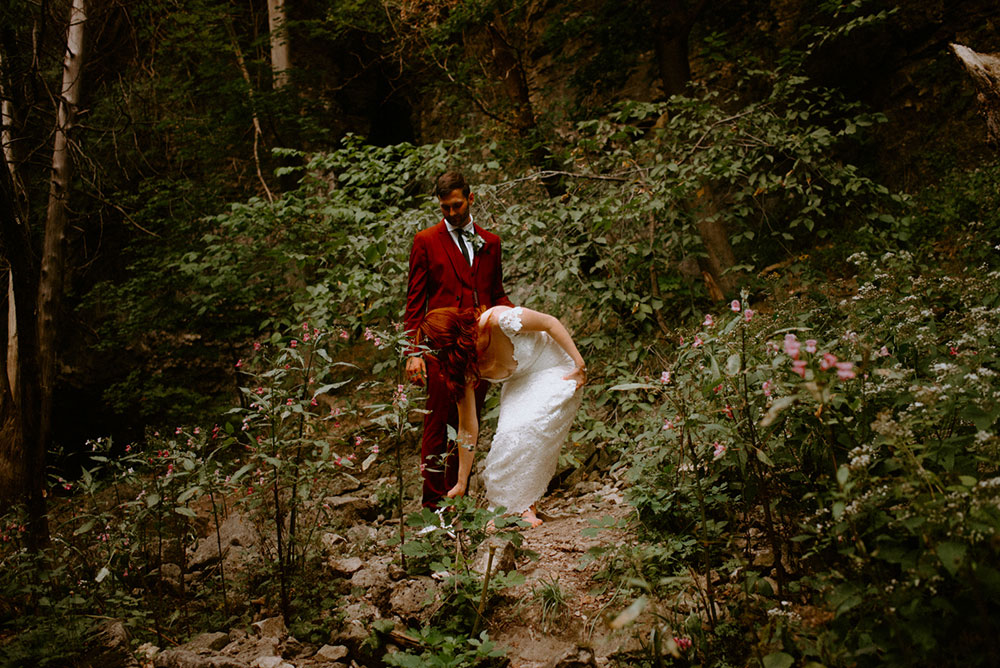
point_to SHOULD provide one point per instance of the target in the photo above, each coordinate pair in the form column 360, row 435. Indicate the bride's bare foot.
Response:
column 531, row 518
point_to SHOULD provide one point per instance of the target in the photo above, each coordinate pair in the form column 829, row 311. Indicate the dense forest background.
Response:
column 191, row 184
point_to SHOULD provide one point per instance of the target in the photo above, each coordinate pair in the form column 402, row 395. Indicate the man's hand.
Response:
column 416, row 370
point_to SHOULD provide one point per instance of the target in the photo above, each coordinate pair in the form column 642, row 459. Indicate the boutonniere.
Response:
column 478, row 242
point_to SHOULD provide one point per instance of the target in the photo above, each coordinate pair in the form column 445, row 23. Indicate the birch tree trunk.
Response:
column 52, row 275
column 280, row 53
column 17, row 194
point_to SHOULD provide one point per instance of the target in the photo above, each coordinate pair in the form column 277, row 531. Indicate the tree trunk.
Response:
column 672, row 23
column 510, row 70
column 720, row 282
column 984, row 68
column 22, row 459
column 52, row 275
column 280, row 53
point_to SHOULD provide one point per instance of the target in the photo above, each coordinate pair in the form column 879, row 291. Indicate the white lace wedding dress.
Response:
column 537, row 408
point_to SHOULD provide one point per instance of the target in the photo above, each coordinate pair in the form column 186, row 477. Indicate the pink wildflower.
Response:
column 306, row 337
column 369, row 335
column 697, row 342
column 709, row 321
column 792, row 346
column 178, row 430
column 728, row 410
column 357, row 441
column 683, row 644
column 717, row 388
column 289, row 402
column 845, row 370
column 766, row 387
column 344, row 335
column 305, row 326
column 293, row 343
column 735, row 306
column 314, row 402
column 197, row 430
column 747, row 315
column 667, row 424
column 811, row 345
column 665, row 377
column 239, row 363
column 256, row 345
column 375, row 449
column 829, row 359
column 883, row 352
column 953, row 350
column 799, row 367
column 718, row 450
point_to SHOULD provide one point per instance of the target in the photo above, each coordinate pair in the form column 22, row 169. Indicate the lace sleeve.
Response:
column 510, row 322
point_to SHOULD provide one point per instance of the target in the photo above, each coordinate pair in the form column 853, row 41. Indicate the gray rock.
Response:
column 352, row 509
column 374, row 580
column 343, row 484
column 207, row 642
column 249, row 649
column 272, row 627
column 504, row 556
column 270, row 662
column 415, row 601
column 293, row 648
column 346, row 566
column 331, row 542
column 109, row 647
column 360, row 535
column 182, row 658
column 578, row 657
column 356, row 626
column 331, row 652
column 239, row 540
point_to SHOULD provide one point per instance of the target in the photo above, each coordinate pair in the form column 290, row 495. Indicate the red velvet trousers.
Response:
column 438, row 454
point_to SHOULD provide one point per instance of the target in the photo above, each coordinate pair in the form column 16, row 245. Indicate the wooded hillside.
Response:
column 771, row 225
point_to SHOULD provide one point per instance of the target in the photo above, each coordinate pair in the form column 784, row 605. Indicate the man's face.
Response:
column 455, row 207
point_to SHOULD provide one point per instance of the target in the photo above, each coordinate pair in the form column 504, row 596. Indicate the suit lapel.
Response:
column 458, row 262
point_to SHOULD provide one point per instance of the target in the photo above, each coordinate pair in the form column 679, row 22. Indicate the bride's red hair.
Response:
column 452, row 334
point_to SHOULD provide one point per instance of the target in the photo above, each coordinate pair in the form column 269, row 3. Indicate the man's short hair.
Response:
column 449, row 182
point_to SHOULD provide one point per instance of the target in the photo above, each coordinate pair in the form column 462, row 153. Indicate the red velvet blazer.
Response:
column 440, row 276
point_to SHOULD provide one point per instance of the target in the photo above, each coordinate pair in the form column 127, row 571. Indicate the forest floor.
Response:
column 563, row 604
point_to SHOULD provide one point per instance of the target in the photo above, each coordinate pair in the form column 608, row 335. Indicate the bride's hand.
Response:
column 457, row 490
column 578, row 375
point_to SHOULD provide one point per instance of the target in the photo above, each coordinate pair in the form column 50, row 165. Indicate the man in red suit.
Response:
column 453, row 263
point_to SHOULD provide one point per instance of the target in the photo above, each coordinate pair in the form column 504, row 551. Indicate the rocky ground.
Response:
column 558, row 616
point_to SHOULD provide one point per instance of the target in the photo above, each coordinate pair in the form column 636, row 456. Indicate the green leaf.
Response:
column 951, row 555
column 733, row 364
column 630, row 614
column 842, row 474
column 101, row 574
column 85, row 527
column 632, row 386
column 778, row 660
column 185, row 511
column 764, row 459
column 152, row 499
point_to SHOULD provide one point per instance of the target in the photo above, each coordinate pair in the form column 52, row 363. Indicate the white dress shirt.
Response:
column 470, row 228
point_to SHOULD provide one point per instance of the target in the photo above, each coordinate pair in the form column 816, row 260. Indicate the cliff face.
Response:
column 581, row 59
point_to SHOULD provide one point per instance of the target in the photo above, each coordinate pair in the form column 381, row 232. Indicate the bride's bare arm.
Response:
column 468, row 434
column 534, row 321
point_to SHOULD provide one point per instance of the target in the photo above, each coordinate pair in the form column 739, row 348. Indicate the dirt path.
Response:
column 563, row 602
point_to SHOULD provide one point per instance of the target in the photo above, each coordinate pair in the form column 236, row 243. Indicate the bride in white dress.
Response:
column 534, row 357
